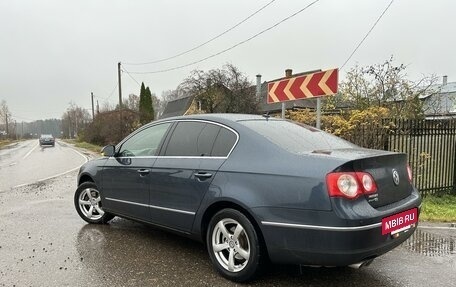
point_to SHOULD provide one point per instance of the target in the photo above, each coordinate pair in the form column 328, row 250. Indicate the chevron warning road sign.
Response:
column 318, row 84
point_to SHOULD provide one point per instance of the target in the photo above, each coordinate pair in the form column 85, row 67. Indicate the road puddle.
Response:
column 429, row 243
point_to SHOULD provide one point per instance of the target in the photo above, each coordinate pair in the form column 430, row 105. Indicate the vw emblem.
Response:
column 395, row 177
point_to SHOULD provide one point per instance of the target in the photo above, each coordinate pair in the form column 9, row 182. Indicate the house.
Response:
column 213, row 102
column 178, row 107
column 187, row 104
column 441, row 102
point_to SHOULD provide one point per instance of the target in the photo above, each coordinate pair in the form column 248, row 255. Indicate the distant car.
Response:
column 47, row 140
column 255, row 187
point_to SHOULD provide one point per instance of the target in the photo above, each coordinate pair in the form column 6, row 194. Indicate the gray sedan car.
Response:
column 47, row 140
column 255, row 189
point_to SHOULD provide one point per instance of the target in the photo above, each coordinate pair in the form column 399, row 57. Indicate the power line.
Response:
column 370, row 30
column 205, row 43
column 112, row 92
column 230, row 48
column 125, row 70
column 109, row 96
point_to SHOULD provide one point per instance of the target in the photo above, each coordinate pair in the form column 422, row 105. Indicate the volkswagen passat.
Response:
column 255, row 187
column 47, row 140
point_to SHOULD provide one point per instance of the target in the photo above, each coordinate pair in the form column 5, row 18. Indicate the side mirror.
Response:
column 108, row 150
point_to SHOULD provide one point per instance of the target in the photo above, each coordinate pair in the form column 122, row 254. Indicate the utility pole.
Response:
column 120, row 98
column 15, row 129
column 98, row 108
column 120, row 84
column 6, row 122
column 93, row 109
column 69, row 126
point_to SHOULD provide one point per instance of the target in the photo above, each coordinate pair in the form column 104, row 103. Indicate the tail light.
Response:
column 409, row 172
column 350, row 184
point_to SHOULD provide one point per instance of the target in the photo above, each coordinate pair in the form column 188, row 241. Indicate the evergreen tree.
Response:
column 149, row 106
column 146, row 110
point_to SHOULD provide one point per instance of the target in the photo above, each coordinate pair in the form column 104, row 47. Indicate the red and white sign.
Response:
column 318, row 84
column 399, row 221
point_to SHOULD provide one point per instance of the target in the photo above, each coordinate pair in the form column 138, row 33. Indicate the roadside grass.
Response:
column 85, row 145
column 4, row 143
column 439, row 208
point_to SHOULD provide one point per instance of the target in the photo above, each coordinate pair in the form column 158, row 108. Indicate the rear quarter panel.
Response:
column 259, row 176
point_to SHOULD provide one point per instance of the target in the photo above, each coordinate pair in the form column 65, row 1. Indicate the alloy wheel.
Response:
column 90, row 204
column 231, row 245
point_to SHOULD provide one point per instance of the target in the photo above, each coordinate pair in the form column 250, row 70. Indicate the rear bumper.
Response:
column 47, row 142
column 331, row 238
column 295, row 245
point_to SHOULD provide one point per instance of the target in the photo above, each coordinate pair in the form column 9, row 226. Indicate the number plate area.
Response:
column 399, row 222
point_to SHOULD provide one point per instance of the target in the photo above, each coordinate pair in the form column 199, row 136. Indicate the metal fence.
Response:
column 431, row 149
column 429, row 144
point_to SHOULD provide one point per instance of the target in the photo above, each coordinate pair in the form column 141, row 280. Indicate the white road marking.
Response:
column 76, row 151
column 31, row 151
column 57, row 175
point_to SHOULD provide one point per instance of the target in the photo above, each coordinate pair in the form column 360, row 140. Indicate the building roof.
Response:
column 448, row 88
column 177, row 107
column 440, row 89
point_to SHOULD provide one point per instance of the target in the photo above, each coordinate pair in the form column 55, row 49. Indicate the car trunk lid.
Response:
column 390, row 175
column 388, row 169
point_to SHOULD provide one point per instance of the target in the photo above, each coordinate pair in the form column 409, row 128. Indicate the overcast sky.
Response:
column 54, row 52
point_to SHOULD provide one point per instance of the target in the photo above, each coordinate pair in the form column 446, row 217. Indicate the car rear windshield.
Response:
column 296, row 137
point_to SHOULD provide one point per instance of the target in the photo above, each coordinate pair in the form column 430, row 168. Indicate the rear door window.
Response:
column 192, row 139
column 198, row 139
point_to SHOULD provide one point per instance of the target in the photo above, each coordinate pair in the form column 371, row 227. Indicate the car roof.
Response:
column 219, row 117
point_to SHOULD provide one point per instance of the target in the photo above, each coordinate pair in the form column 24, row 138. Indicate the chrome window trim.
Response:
column 151, row 206
column 187, row 157
column 173, row 157
column 319, row 227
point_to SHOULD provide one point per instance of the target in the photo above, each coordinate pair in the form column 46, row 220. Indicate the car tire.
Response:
column 87, row 201
column 233, row 245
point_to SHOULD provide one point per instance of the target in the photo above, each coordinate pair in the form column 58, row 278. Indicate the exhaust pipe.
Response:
column 364, row 263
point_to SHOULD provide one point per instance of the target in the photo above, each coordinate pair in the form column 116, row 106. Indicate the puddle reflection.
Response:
column 430, row 244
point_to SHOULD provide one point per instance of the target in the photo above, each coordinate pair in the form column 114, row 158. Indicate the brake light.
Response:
column 350, row 184
column 409, row 172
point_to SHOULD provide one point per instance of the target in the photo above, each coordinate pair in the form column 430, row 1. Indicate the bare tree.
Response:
column 132, row 102
column 386, row 85
column 225, row 90
column 74, row 120
column 5, row 117
column 107, row 107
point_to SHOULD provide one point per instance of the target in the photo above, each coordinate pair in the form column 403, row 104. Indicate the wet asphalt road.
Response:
column 43, row 242
column 26, row 162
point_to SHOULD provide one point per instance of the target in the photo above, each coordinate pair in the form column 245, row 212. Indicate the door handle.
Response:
column 203, row 175
column 143, row 171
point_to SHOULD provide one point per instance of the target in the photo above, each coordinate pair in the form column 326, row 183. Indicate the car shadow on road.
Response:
column 125, row 252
